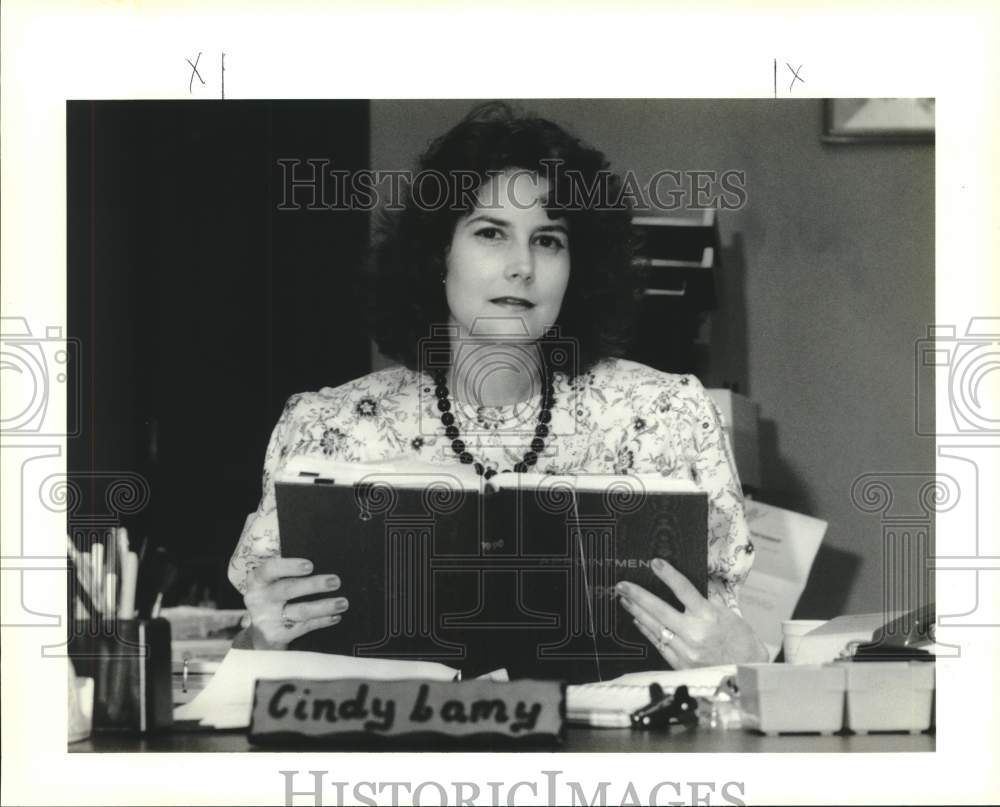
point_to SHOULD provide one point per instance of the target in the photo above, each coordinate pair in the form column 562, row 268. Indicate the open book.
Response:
column 518, row 572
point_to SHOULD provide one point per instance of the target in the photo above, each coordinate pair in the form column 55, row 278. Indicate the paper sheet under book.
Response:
column 786, row 544
column 227, row 700
column 409, row 473
column 401, row 472
column 627, row 693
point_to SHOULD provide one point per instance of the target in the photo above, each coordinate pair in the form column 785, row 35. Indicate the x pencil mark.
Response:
column 795, row 75
column 194, row 71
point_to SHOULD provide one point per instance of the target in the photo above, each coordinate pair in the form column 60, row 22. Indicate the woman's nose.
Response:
column 520, row 263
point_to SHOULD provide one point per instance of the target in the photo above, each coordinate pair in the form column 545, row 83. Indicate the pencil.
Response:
column 97, row 574
column 83, row 602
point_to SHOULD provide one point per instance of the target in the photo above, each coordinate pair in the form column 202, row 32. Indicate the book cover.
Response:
column 517, row 573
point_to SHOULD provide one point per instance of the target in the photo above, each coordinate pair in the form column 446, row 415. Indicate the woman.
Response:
column 523, row 251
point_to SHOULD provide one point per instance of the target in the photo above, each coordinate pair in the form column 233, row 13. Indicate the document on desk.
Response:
column 785, row 545
column 227, row 700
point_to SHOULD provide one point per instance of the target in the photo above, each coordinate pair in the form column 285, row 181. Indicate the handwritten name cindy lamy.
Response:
column 324, row 709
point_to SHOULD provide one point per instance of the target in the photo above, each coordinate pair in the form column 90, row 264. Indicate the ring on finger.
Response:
column 286, row 620
column 666, row 636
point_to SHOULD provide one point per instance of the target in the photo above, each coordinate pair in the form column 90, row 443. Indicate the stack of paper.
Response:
column 227, row 700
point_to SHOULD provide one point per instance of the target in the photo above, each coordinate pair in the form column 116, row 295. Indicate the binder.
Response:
column 517, row 573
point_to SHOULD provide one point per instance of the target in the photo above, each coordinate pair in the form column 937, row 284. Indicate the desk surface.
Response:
column 694, row 740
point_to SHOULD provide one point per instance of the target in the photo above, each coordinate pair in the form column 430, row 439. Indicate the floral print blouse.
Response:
column 620, row 418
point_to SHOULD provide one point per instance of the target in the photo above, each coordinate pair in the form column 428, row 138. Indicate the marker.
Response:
column 130, row 574
column 111, row 594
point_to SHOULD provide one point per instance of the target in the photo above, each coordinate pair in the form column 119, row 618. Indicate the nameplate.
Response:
column 300, row 708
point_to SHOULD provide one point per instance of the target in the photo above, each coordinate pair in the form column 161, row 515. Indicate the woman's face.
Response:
column 508, row 263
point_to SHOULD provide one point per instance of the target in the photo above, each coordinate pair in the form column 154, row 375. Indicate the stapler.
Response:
column 901, row 639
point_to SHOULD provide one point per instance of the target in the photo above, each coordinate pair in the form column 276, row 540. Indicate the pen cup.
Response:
column 129, row 660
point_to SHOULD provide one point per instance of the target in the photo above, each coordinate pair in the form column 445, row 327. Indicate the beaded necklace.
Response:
column 458, row 446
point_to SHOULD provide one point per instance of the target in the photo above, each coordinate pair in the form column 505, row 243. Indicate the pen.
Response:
column 169, row 578
column 82, row 600
column 112, row 571
column 111, row 594
column 121, row 541
column 84, row 570
column 97, row 574
column 128, row 571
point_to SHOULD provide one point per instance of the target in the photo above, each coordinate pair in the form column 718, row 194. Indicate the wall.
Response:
column 828, row 281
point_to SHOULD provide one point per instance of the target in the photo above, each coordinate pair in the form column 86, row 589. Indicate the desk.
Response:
column 701, row 741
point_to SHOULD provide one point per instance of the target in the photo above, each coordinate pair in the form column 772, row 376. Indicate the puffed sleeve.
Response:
column 730, row 550
column 259, row 539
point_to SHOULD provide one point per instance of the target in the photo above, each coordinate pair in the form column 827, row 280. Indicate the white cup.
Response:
column 792, row 631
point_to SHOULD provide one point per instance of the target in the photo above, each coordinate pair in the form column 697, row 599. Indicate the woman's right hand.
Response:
column 274, row 622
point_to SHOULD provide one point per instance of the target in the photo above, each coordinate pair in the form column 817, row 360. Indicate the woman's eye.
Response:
column 550, row 242
column 489, row 233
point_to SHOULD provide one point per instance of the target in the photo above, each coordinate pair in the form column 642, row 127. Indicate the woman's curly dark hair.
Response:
column 411, row 244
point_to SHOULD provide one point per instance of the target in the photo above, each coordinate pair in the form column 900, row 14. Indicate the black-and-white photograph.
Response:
column 451, row 404
column 485, row 393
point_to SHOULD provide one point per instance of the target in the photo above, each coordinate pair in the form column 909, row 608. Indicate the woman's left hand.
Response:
column 705, row 633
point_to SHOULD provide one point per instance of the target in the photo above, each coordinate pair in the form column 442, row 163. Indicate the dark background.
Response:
column 200, row 307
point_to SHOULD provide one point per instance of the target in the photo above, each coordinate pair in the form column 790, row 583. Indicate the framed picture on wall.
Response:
column 878, row 120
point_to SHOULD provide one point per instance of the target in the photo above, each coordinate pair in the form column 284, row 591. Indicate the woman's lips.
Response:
column 512, row 302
